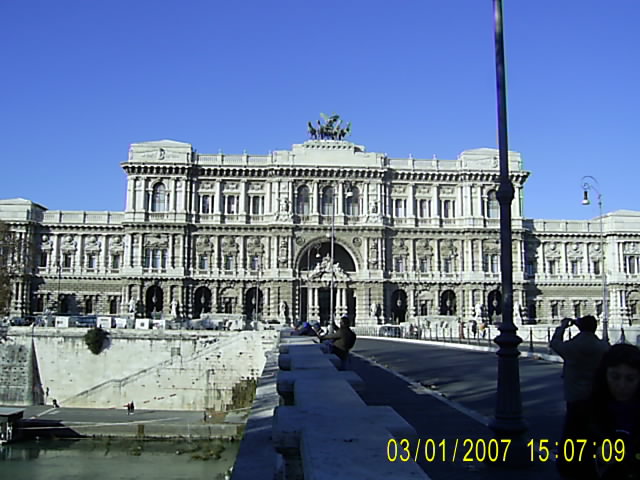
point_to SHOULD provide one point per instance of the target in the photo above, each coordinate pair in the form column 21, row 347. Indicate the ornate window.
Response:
column 424, row 208
column 596, row 267
column 399, row 264
column 352, row 203
column 67, row 259
column 44, row 257
column 91, row 261
column 257, row 205
column 254, row 262
column 575, row 268
column 155, row 258
column 552, row 267
column 491, row 262
column 303, row 204
column 493, row 207
column 115, row 261
column 632, row 264
column 229, row 262
column 113, row 306
column 88, row 305
column 231, row 203
column 205, row 204
column 203, row 262
column 399, row 208
column 326, row 202
column 159, row 198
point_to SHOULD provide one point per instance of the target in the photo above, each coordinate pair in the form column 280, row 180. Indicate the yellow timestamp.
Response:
column 448, row 450
column 576, row 450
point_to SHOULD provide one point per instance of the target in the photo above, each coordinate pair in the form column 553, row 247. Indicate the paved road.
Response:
column 467, row 378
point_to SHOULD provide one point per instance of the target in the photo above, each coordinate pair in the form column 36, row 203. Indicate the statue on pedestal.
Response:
column 174, row 308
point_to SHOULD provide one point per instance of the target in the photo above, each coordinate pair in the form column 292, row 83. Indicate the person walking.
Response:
column 582, row 355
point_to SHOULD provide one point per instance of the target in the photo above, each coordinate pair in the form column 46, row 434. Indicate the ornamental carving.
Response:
column 448, row 249
column 574, row 250
column 68, row 244
column 230, row 186
column 115, row 244
column 373, row 253
column 91, row 244
column 156, row 241
column 46, row 244
column 423, row 248
column 283, row 252
column 357, row 241
column 447, row 191
column 631, row 248
column 229, row 246
column 204, row 244
column 399, row 246
column 254, row 246
column 551, row 250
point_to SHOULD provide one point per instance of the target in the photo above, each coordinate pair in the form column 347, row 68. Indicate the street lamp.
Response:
column 59, row 268
column 508, row 421
column 589, row 183
column 315, row 247
column 256, row 297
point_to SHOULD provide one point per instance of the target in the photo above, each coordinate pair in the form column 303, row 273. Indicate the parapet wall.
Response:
column 156, row 369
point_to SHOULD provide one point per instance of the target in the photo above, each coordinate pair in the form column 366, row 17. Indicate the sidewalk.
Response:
column 439, row 419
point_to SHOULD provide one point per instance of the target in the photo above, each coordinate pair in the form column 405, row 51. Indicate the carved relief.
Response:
column 254, row 246
column 551, row 250
column 423, row 247
column 631, row 248
column 115, row 244
column 91, row 244
column 230, row 186
column 204, row 244
column 399, row 246
column 46, row 244
column 373, row 253
column 156, row 241
column 447, row 190
column 357, row 241
column 68, row 244
column 229, row 246
column 574, row 250
column 283, row 252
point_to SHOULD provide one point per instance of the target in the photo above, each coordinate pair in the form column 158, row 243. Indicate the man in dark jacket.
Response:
column 343, row 340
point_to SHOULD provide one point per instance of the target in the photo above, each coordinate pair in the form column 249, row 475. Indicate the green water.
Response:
column 120, row 459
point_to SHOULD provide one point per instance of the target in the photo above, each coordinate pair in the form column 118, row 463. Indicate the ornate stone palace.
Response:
column 251, row 235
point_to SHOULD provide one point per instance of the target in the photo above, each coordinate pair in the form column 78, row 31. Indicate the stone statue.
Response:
column 331, row 129
column 373, row 309
column 282, row 309
column 174, row 308
column 517, row 313
column 132, row 305
column 477, row 311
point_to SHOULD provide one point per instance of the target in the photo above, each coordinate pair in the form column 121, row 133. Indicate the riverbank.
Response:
column 48, row 422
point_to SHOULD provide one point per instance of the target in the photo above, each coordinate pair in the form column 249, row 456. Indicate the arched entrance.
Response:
column 201, row 301
column 315, row 270
column 253, row 302
column 398, row 306
column 154, row 300
column 448, row 303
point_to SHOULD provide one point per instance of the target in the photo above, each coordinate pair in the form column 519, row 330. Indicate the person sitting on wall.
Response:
column 304, row 329
column 343, row 340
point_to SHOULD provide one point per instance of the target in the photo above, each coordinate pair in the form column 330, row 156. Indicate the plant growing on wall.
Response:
column 96, row 339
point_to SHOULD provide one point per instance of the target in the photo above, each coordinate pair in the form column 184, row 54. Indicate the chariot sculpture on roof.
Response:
column 331, row 129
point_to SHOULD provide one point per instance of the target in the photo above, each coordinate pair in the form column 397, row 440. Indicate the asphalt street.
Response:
column 470, row 379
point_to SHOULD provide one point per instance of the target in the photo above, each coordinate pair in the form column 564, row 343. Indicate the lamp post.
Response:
column 59, row 269
column 334, row 195
column 256, row 297
column 315, row 247
column 589, row 183
column 508, row 421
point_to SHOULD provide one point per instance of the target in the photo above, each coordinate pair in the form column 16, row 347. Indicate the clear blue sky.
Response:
column 81, row 80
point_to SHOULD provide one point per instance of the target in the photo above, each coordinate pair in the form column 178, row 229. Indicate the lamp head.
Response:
column 585, row 198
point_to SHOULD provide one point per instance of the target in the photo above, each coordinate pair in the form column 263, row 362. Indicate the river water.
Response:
column 117, row 459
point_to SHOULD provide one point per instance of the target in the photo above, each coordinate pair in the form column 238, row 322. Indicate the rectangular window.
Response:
column 447, row 266
column 422, row 208
column 115, row 261
column 91, row 261
column 552, row 267
column 229, row 262
column 254, row 262
column 399, row 208
column 554, row 310
column 66, row 260
column 577, row 310
column 399, row 264
column 424, row 265
column 598, row 308
column 575, row 268
column 596, row 267
column 530, row 268
column 205, row 206
column 44, row 258
column 232, row 205
column 203, row 262
column 632, row 264
column 257, row 205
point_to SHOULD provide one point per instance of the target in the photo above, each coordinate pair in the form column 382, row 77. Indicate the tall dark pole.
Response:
column 508, row 421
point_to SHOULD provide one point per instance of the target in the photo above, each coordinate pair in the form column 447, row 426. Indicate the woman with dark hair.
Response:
column 615, row 412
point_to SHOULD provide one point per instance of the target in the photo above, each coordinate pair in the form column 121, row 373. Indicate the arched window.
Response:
column 493, row 208
column 302, row 201
column 159, row 198
column 326, row 205
column 352, row 203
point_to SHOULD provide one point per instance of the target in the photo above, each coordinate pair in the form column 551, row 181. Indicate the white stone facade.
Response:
column 413, row 238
